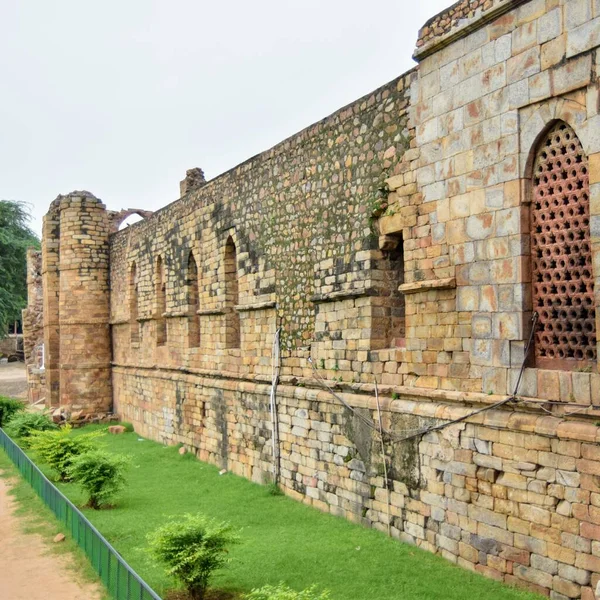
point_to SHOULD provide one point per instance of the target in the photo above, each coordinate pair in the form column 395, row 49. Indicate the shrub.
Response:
column 22, row 424
column 283, row 592
column 128, row 427
column 100, row 474
column 192, row 549
column 58, row 448
column 9, row 407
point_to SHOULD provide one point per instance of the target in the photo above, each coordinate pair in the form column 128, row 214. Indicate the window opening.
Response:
column 562, row 275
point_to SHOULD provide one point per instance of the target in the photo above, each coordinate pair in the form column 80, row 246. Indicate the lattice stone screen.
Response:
column 562, row 282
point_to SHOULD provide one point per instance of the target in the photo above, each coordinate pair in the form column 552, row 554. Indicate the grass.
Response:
column 36, row 518
column 281, row 540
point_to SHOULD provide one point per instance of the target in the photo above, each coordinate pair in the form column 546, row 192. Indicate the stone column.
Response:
column 84, row 304
column 50, row 284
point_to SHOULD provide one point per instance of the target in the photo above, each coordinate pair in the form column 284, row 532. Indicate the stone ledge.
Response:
column 99, row 321
column 343, row 295
column 210, row 311
column 460, row 31
column 439, row 404
column 143, row 319
column 256, row 306
column 119, row 322
column 174, row 315
column 425, row 286
column 84, row 366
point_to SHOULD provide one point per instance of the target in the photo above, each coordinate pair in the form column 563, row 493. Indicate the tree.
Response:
column 15, row 238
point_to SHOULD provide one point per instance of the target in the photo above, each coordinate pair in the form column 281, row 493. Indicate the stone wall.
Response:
column 302, row 219
column 33, row 327
column 514, row 496
column 391, row 246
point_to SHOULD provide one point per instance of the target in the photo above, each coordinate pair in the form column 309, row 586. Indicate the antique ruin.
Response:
column 378, row 271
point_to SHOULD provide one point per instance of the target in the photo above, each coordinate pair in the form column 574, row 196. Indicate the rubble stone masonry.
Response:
column 390, row 243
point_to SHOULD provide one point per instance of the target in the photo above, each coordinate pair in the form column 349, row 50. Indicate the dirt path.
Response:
column 28, row 568
column 13, row 380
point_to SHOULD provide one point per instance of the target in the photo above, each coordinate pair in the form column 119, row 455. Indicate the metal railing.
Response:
column 121, row 581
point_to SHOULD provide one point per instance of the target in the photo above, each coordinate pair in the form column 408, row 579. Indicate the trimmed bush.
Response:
column 283, row 592
column 100, row 474
column 8, row 408
column 22, row 424
column 192, row 549
column 58, row 448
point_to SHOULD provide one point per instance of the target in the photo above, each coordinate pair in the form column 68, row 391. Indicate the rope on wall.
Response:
column 410, row 434
column 275, row 368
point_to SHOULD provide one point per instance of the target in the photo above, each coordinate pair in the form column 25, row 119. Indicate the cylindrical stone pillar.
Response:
column 84, row 304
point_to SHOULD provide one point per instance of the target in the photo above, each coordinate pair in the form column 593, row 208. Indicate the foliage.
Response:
column 100, row 474
column 273, row 489
column 9, row 407
column 283, row 592
column 58, row 448
column 23, row 424
column 192, row 549
column 15, row 238
column 128, row 426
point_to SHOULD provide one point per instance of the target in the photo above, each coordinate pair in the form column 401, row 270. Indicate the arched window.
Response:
column 232, row 318
column 161, row 304
column 193, row 301
column 562, row 282
column 134, row 326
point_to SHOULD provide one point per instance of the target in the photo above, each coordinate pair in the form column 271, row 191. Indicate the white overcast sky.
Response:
column 121, row 97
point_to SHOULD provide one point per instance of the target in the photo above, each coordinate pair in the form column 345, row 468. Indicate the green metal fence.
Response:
column 121, row 581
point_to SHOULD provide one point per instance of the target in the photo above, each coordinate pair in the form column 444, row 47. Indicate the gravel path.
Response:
column 28, row 568
column 13, row 380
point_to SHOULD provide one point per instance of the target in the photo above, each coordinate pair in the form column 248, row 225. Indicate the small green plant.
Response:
column 58, row 448
column 22, row 424
column 100, row 474
column 274, row 490
column 322, row 363
column 128, row 427
column 336, row 366
column 395, row 396
column 8, row 408
column 283, row 592
column 192, row 548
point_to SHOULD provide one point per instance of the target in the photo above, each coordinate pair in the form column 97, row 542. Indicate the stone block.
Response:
column 583, row 38
column 553, row 52
column 575, row 74
column 522, row 66
column 577, row 12
column 549, row 25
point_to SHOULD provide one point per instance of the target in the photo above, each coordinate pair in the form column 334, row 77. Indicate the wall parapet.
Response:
column 459, row 20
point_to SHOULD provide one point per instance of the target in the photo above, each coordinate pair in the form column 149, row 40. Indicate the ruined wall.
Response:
column 390, row 243
column 301, row 219
column 33, row 327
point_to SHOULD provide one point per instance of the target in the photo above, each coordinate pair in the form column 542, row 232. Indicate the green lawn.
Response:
column 281, row 540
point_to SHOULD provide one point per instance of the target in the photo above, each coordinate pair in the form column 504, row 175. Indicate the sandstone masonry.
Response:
column 407, row 239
